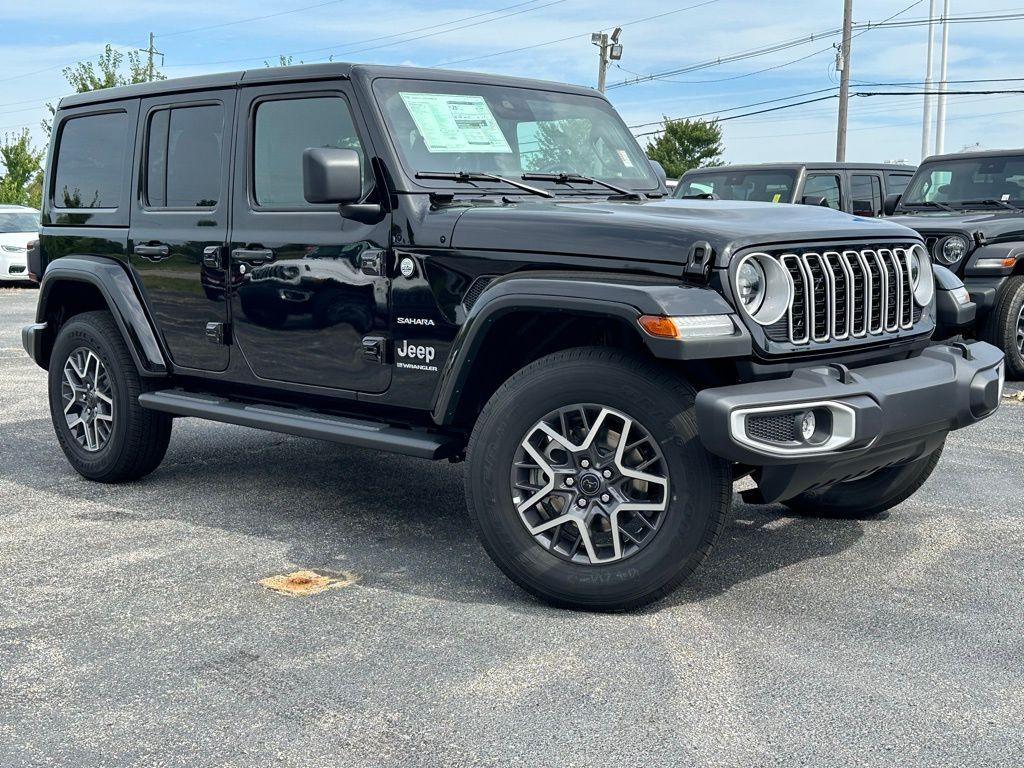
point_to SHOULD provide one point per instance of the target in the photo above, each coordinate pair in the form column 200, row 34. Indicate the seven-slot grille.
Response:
column 846, row 294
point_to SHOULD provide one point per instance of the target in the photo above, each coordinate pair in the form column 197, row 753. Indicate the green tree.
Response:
column 687, row 144
column 105, row 72
column 22, row 179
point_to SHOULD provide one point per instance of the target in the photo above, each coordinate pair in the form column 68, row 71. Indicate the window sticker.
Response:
column 624, row 158
column 449, row 122
column 776, row 197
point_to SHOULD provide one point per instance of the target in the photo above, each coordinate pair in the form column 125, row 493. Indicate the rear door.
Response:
column 309, row 289
column 179, row 223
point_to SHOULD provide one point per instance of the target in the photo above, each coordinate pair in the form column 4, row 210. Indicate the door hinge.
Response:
column 218, row 333
column 371, row 262
column 375, row 348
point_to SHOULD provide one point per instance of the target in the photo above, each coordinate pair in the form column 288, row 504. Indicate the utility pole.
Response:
column 843, row 64
column 940, row 112
column 609, row 49
column 150, row 52
column 926, row 120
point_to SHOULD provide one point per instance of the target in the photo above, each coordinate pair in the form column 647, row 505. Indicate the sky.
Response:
column 550, row 39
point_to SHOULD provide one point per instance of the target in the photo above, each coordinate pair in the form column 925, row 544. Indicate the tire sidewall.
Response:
column 1008, row 326
column 77, row 334
column 694, row 491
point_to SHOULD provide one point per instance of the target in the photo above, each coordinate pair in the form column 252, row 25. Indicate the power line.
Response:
column 246, row 21
column 573, row 37
column 346, row 48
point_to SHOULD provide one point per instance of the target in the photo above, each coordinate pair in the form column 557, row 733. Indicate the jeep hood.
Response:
column 996, row 226
column 657, row 230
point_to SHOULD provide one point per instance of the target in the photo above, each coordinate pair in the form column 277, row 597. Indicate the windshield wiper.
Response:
column 466, row 177
column 928, row 204
column 1001, row 203
column 576, row 178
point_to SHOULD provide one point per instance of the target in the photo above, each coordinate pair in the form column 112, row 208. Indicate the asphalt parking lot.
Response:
column 133, row 630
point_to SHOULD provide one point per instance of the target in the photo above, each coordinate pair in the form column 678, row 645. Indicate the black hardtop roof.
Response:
column 302, row 72
column 969, row 155
column 824, row 166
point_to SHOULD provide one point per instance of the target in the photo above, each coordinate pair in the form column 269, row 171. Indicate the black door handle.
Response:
column 254, row 256
column 153, row 252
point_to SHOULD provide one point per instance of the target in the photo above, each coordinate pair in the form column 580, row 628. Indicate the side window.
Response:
column 183, row 157
column 286, row 128
column 91, row 161
column 866, row 194
column 897, row 183
column 823, row 185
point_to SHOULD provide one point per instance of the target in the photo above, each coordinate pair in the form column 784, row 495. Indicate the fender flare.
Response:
column 111, row 278
column 582, row 293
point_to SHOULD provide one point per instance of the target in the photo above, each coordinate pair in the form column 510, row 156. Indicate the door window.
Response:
column 866, row 194
column 91, row 161
column 897, row 183
column 823, row 185
column 183, row 157
column 286, row 128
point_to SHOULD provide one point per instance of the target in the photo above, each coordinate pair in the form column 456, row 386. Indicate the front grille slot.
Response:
column 849, row 294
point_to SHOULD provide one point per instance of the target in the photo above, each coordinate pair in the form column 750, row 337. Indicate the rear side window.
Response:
column 183, row 157
column 91, row 161
column 866, row 194
column 284, row 130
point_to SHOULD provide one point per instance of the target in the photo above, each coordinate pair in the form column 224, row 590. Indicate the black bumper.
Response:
column 32, row 339
column 894, row 413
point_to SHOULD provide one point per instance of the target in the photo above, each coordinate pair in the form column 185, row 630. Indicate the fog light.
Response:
column 807, row 424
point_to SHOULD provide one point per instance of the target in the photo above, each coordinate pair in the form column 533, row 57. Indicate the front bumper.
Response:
column 884, row 414
column 13, row 266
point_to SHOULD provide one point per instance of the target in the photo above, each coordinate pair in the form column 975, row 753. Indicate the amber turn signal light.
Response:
column 658, row 325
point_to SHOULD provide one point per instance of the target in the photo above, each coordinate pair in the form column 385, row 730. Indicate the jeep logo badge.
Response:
column 590, row 483
column 407, row 266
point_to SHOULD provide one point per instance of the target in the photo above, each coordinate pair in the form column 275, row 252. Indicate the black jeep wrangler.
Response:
column 457, row 266
column 970, row 210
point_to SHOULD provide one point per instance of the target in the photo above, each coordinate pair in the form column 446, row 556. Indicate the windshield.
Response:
column 761, row 186
column 968, row 180
column 442, row 127
column 19, row 221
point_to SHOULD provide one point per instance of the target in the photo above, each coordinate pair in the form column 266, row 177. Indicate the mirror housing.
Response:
column 814, row 200
column 331, row 175
column 891, row 203
column 658, row 169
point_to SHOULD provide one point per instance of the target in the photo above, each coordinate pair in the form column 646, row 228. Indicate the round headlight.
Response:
column 750, row 285
column 763, row 288
column 949, row 250
column 922, row 277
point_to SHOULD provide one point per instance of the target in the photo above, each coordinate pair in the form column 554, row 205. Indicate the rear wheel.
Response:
column 587, row 483
column 867, row 496
column 1004, row 326
column 94, row 390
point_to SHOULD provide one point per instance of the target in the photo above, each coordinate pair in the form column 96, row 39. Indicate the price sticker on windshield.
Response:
column 450, row 122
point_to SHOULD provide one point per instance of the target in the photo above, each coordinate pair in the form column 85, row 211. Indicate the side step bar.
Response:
column 305, row 423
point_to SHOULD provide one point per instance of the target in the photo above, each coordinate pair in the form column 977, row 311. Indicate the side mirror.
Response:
column 814, row 200
column 891, row 204
column 331, row 175
column 659, row 169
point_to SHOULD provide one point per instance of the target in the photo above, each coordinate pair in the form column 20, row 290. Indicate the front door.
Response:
column 308, row 285
column 179, row 222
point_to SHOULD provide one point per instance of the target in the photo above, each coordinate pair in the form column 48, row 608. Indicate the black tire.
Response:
column 869, row 496
column 697, row 502
column 138, row 438
column 1003, row 325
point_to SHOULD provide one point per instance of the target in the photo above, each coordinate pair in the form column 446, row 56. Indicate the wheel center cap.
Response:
column 590, row 483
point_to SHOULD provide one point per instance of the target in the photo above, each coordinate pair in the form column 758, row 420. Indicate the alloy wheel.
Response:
column 1020, row 331
column 88, row 398
column 590, row 484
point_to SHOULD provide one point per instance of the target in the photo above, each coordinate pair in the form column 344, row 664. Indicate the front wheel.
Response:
column 867, row 496
column 588, row 485
column 1004, row 325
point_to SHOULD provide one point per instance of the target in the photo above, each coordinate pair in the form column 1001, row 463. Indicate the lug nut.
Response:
column 585, row 463
column 582, row 502
column 605, row 497
column 607, row 473
column 569, row 481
